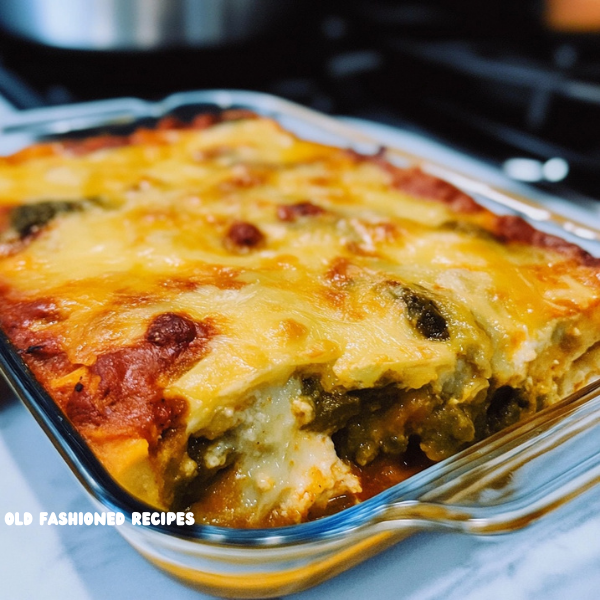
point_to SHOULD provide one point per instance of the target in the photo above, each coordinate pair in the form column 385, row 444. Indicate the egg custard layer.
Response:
column 264, row 329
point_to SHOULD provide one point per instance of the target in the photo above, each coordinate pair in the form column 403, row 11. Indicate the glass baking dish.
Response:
column 497, row 486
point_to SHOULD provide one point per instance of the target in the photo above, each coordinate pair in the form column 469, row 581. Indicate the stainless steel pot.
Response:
column 143, row 24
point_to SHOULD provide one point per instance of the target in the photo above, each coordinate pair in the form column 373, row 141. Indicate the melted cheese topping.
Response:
column 293, row 254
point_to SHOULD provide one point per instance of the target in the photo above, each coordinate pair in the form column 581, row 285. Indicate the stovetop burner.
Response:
column 503, row 100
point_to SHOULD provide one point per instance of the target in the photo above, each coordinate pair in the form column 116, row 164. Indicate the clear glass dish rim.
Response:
column 87, row 468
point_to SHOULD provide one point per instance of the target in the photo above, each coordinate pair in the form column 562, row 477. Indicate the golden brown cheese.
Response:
column 256, row 325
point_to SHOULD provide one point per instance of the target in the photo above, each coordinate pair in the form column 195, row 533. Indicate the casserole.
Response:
column 336, row 549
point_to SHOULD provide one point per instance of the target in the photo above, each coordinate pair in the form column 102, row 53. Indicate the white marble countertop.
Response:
column 556, row 558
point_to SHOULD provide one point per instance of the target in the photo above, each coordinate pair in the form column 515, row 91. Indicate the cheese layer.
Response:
column 242, row 321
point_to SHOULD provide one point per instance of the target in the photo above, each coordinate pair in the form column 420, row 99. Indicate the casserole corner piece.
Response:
column 266, row 330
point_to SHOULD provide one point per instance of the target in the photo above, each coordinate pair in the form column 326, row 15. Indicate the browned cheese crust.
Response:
column 268, row 330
